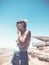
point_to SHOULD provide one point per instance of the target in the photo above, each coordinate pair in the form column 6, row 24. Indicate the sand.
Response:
column 7, row 54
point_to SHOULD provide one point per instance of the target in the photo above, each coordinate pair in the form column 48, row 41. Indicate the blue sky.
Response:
column 35, row 11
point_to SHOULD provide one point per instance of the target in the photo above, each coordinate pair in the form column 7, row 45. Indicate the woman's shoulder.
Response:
column 28, row 32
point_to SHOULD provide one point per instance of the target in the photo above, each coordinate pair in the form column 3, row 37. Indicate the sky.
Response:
column 35, row 11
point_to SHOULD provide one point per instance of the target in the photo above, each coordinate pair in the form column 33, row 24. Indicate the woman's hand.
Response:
column 19, row 33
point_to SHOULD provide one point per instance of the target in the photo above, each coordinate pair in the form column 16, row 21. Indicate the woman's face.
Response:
column 20, row 27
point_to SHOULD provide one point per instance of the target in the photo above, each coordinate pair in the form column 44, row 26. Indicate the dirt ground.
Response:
column 35, row 61
column 6, row 56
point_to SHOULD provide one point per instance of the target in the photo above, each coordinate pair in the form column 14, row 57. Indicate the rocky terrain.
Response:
column 42, row 53
column 37, row 56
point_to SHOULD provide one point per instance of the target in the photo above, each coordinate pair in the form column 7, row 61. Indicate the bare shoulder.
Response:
column 28, row 32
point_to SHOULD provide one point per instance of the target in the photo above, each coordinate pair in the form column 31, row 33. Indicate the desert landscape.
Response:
column 37, row 56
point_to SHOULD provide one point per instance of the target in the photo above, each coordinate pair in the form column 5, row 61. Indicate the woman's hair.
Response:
column 22, row 22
